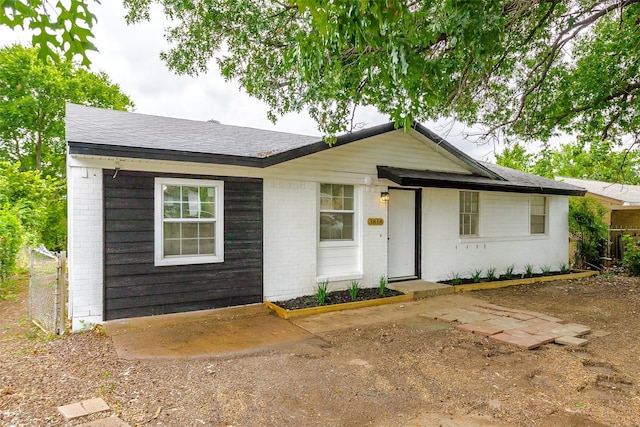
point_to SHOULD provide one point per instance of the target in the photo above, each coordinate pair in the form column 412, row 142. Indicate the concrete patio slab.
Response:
column 81, row 409
column 571, row 341
column 201, row 333
column 422, row 289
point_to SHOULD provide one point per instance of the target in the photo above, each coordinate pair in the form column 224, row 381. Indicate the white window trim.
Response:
column 159, row 259
column 479, row 233
column 546, row 216
column 352, row 243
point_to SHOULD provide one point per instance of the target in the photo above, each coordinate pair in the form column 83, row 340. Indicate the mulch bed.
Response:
column 502, row 278
column 337, row 297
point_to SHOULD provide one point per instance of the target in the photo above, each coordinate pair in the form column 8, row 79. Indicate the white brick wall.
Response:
column 504, row 240
column 85, row 246
column 290, row 236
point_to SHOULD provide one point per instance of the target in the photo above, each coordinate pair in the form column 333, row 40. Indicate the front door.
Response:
column 402, row 234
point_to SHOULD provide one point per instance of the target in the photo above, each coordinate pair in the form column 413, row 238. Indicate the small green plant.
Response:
column 491, row 274
column 528, row 270
column 382, row 285
column 456, row 279
column 508, row 272
column 354, row 288
column 564, row 268
column 631, row 256
column 321, row 292
column 476, row 275
column 546, row 270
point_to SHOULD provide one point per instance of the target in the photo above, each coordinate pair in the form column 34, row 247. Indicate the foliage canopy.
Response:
column 588, row 229
column 33, row 93
column 517, row 67
column 63, row 26
column 598, row 160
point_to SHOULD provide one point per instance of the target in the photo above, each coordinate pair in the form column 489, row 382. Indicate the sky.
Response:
column 130, row 55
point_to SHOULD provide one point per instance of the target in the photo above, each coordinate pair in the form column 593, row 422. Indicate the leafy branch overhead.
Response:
column 517, row 67
column 64, row 26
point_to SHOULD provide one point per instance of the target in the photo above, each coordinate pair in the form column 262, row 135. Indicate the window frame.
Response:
column 159, row 258
column 544, row 216
column 354, row 236
column 471, row 215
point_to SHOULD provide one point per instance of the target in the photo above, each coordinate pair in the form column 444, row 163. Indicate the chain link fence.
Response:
column 47, row 290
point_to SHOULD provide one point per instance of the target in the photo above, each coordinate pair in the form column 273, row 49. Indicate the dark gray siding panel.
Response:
column 135, row 287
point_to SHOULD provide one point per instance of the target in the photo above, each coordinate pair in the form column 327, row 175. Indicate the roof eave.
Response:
column 477, row 186
column 475, row 167
column 103, row 150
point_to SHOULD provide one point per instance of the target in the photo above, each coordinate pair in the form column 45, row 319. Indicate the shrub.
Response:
column 321, row 292
column 382, row 285
column 631, row 257
column 508, row 272
column 11, row 235
column 354, row 288
column 546, row 270
column 476, row 275
column 456, row 279
column 564, row 268
column 491, row 274
column 528, row 270
column 588, row 230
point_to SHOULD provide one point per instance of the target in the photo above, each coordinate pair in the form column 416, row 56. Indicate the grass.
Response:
column 508, row 272
column 321, row 292
column 354, row 288
column 10, row 288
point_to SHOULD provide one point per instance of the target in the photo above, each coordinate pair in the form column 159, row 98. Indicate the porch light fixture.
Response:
column 384, row 196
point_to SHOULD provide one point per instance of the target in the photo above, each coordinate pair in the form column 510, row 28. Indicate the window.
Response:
column 336, row 212
column 538, row 214
column 188, row 221
column 469, row 213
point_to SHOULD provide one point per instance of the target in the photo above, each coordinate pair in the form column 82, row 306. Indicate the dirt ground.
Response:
column 414, row 373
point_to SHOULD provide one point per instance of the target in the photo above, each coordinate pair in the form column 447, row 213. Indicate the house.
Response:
column 622, row 202
column 169, row 215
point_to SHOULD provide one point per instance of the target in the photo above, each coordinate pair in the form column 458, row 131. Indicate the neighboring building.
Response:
column 170, row 215
column 622, row 202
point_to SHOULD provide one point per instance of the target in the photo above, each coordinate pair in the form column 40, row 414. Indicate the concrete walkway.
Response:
column 201, row 333
column 227, row 331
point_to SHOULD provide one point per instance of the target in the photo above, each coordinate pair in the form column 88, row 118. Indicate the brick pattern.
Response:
column 504, row 235
column 290, row 235
column 85, row 246
column 522, row 328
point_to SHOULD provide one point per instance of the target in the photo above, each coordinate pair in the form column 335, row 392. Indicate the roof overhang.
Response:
column 425, row 178
column 122, row 151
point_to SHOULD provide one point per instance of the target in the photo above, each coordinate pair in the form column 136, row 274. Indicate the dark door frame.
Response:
column 418, row 234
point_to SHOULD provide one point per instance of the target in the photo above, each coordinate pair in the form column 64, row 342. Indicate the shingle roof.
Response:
column 629, row 195
column 113, row 128
column 102, row 132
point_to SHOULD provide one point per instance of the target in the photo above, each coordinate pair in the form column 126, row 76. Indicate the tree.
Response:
column 523, row 68
column 31, row 198
column 588, row 230
column 33, row 93
column 598, row 160
column 56, row 28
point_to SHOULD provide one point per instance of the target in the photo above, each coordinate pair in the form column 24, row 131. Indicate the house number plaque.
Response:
column 375, row 221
